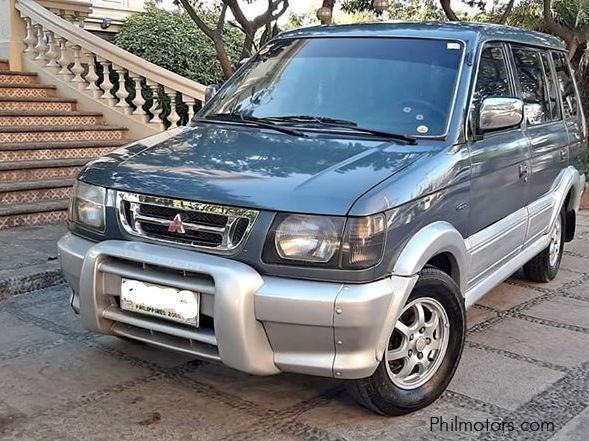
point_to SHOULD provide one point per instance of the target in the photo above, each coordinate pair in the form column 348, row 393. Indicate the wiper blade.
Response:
column 259, row 122
column 333, row 122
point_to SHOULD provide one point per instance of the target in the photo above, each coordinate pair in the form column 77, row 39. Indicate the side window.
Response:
column 553, row 103
column 565, row 84
column 493, row 79
column 530, row 74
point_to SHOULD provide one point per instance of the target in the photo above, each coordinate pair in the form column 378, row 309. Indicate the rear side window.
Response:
column 493, row 79
column 565, row 84
column 553, row 102
column 534, row 89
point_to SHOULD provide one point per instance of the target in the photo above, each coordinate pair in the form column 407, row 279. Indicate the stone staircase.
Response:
column 44, row 142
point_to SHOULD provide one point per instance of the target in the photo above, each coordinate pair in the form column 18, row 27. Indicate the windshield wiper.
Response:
column 258, row 122
column 333, row 122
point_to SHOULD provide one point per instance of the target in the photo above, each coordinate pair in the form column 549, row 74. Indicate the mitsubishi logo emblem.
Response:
column 177, row 226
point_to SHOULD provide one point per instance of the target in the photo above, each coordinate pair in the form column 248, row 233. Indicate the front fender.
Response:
column 433, row 239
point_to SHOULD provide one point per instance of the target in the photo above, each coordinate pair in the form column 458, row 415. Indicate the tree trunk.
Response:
column 450, row 14
column 223, row 58
column 330, row 4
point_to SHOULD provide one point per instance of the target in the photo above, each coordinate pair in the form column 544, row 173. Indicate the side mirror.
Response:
column 500, row 113
column 210, row 92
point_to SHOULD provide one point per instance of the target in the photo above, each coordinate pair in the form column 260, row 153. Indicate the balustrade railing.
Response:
column 126, row 83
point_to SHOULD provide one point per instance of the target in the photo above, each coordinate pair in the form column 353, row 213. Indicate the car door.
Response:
column 572, row 111
column 544, row 127
column 499, row 183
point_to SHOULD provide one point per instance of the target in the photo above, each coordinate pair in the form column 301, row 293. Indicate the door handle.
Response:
column 563, row 155
column 524, row 172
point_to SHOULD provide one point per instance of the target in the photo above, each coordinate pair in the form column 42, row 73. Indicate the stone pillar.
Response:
column 12, row 32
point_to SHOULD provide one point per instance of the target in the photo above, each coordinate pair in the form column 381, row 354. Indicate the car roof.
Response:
column 465, row 31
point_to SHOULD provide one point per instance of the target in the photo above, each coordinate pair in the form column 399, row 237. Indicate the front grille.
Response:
column 200, row 225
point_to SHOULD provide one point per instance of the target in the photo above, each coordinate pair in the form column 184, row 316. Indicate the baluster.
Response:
column 106, row 85
column 190, row 103
column 41, row 47
column 30, row 39
column 155, row 109
column 63, row 59
column 122, row 93
column 92, row 76
column 173, row 117
column 77, row 69
column 52, row 53
column 138, row 101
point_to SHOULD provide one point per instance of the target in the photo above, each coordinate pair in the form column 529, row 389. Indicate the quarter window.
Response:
column 493, row 79
column 565, row 84
column 534, row 89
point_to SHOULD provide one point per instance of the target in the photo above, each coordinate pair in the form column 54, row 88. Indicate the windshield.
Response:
column 399, row 85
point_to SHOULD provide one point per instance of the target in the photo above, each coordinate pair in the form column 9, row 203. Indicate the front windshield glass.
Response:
column 398, row 85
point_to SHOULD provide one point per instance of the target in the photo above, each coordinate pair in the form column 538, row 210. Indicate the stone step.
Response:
column 12, row 193
column 60, row 133
column 33, row 213
column 4, row 65
column 48, row 118
column 26, row 90
column 39, row 170
column 57, row 150
column 45, row 104
column 12, row 77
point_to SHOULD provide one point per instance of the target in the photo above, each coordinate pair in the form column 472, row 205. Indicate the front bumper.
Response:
column 259, row 325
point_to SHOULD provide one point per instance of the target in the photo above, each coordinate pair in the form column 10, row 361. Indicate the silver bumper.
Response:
column 260, row 325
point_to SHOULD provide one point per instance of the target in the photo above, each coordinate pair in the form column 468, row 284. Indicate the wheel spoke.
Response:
column 395, row 354
column 420, row 316
column 403, row 328
column 407, row 368
column 433, row 323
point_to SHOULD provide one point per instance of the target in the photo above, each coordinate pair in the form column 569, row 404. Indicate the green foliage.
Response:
column 172, row 40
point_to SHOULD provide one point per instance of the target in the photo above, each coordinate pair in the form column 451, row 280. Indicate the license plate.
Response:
column 160, row 301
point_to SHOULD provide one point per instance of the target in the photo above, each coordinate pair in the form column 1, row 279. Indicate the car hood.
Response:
column 247, row 167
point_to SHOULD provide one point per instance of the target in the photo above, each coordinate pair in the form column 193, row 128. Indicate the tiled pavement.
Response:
column 526, row 360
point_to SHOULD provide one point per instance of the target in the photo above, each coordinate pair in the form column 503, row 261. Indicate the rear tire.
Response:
column 423, row 351
column 544, row 267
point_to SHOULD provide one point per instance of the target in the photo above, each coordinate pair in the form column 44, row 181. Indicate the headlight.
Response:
column 323, row 241
column 308, row 238
column 87, row 206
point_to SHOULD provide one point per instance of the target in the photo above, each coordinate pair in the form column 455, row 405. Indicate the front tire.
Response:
column 544, row 267
column 423, row 352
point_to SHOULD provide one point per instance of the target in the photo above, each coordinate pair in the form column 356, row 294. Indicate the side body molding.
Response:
column 435, row 238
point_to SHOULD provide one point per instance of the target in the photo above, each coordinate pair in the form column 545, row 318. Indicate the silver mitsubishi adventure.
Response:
column 337, row 205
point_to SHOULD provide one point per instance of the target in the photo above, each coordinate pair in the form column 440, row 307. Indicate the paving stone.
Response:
column 578, row 246
column 506, row 296
column 546, row 343
column 31, row 383
column 561, row 279
column 160, row 410
column 475, row 316
column 564, row 310
column 16, row 256
column 581, row 291
column 276, row 392
column 57, row 308
column 499, row 380
column 341, row 416
column 18, row 334
column 574, row 263
column 576, row 429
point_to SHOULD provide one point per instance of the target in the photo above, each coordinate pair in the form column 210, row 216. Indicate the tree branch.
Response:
column 196, row 19
column 450, row 14
column 506, row 13
column 572, row 38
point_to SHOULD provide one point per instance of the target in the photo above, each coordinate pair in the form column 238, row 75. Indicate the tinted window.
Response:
column 552, row 97
column 492, row 79
column 534, row 90
column 565, row 84
column 395, row 84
